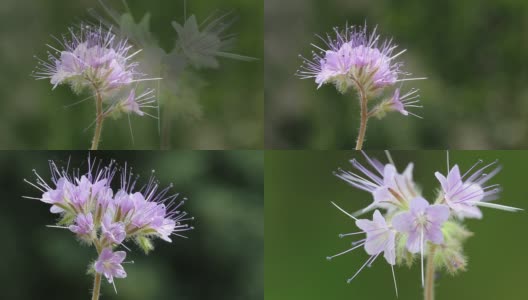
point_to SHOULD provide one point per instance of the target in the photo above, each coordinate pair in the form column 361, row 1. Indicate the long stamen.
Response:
column 371, row 259
column 498, row 206
column 344, row 252
column 422, row 254
column 394, row 279
column 343, row 211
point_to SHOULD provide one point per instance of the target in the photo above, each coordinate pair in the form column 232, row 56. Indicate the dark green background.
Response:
column 474, row 52
column 32, row 116
column 222, row 259
column 302, row 228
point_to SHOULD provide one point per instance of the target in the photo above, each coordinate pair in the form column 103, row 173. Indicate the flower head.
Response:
column 90, row 57
column 354, row 58
column 89, row 208
column 109, row 264
column 94, row 58
column 411, row 225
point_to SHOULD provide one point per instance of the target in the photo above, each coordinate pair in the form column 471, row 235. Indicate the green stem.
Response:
column 364, row 119
column 97, row 286
column 429, row 275
column 99, row 120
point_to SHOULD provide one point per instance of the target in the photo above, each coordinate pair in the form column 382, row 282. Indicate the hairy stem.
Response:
column 97, row 286
column 99, row 120
column 364, row 119
column 429, row 275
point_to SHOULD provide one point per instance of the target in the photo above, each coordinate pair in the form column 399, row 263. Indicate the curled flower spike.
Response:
column 133, row 103
column 92, row 58
column 398, row 103
column 353, row 59
column 405, row 224
column 88, row 207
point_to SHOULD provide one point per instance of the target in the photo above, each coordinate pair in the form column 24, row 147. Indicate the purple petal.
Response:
column 382, row 194
column 99, row 266
column 434, row 234
column 366, row 225
column 119, row 272
column 376, row 243
column 106, row 254
column 119, row 256
column 443, row 181
column 413, row 242
column 388, row 174
column 465, row 210
column 470, row 193
column 453, row 177
column 437, row 214
column 379, row 219
column 390, row 249
column 403, row 222
column 408, row 172
column 419, row 205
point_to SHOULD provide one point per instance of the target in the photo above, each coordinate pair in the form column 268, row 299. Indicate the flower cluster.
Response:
column 353, row 59
column 93, row 58
column 88, row 207
column 410, row 224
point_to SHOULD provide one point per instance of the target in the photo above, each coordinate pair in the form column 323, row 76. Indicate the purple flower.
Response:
column 91, row 57
column 94, row 58
column 353, row 58
column 109, row 264
column 151, row 211
column 55, row 196
column 130, row 104
column 152, row 216
column 124, row 203
column 401, row 103
column 84, row 225
column 388, row 188
column 380, row 237
column 422, row 221
column 463, row 193
column 114, row 232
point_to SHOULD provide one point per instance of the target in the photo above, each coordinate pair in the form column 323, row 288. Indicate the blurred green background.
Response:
column 222, row 259
column 302, row 228
column 32, row 116
column 474, row 53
